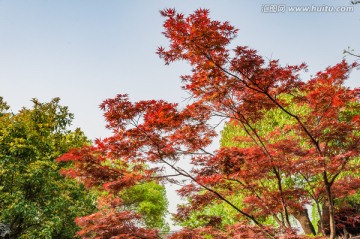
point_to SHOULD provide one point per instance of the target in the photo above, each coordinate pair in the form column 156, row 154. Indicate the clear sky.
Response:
column 85, row 51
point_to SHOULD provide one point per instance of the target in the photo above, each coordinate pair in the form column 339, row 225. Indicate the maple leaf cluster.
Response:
column 110, row 222
column 279, row 171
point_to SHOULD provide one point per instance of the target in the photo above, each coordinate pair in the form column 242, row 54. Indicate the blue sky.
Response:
column 85, row 51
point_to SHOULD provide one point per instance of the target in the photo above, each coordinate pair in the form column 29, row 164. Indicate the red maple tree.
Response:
column 317, row 148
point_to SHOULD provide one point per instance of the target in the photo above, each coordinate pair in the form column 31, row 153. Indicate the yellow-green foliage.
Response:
column 34, row 198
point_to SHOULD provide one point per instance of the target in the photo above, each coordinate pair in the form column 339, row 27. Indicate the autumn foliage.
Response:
column 110, row 222
column 311, row 159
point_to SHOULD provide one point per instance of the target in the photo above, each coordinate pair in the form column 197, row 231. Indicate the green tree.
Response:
column 149, row 200
column 35, row 199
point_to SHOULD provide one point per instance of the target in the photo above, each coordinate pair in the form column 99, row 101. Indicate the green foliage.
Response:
column 315, row 217
column 271, row 120
column 34, row 198
column 228, row 215
column 148, row 199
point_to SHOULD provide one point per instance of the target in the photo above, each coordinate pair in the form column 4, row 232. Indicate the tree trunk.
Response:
column 325, row 219
column 328, row 220
column 303, row 217
column 330, row 205
column 331, row 213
